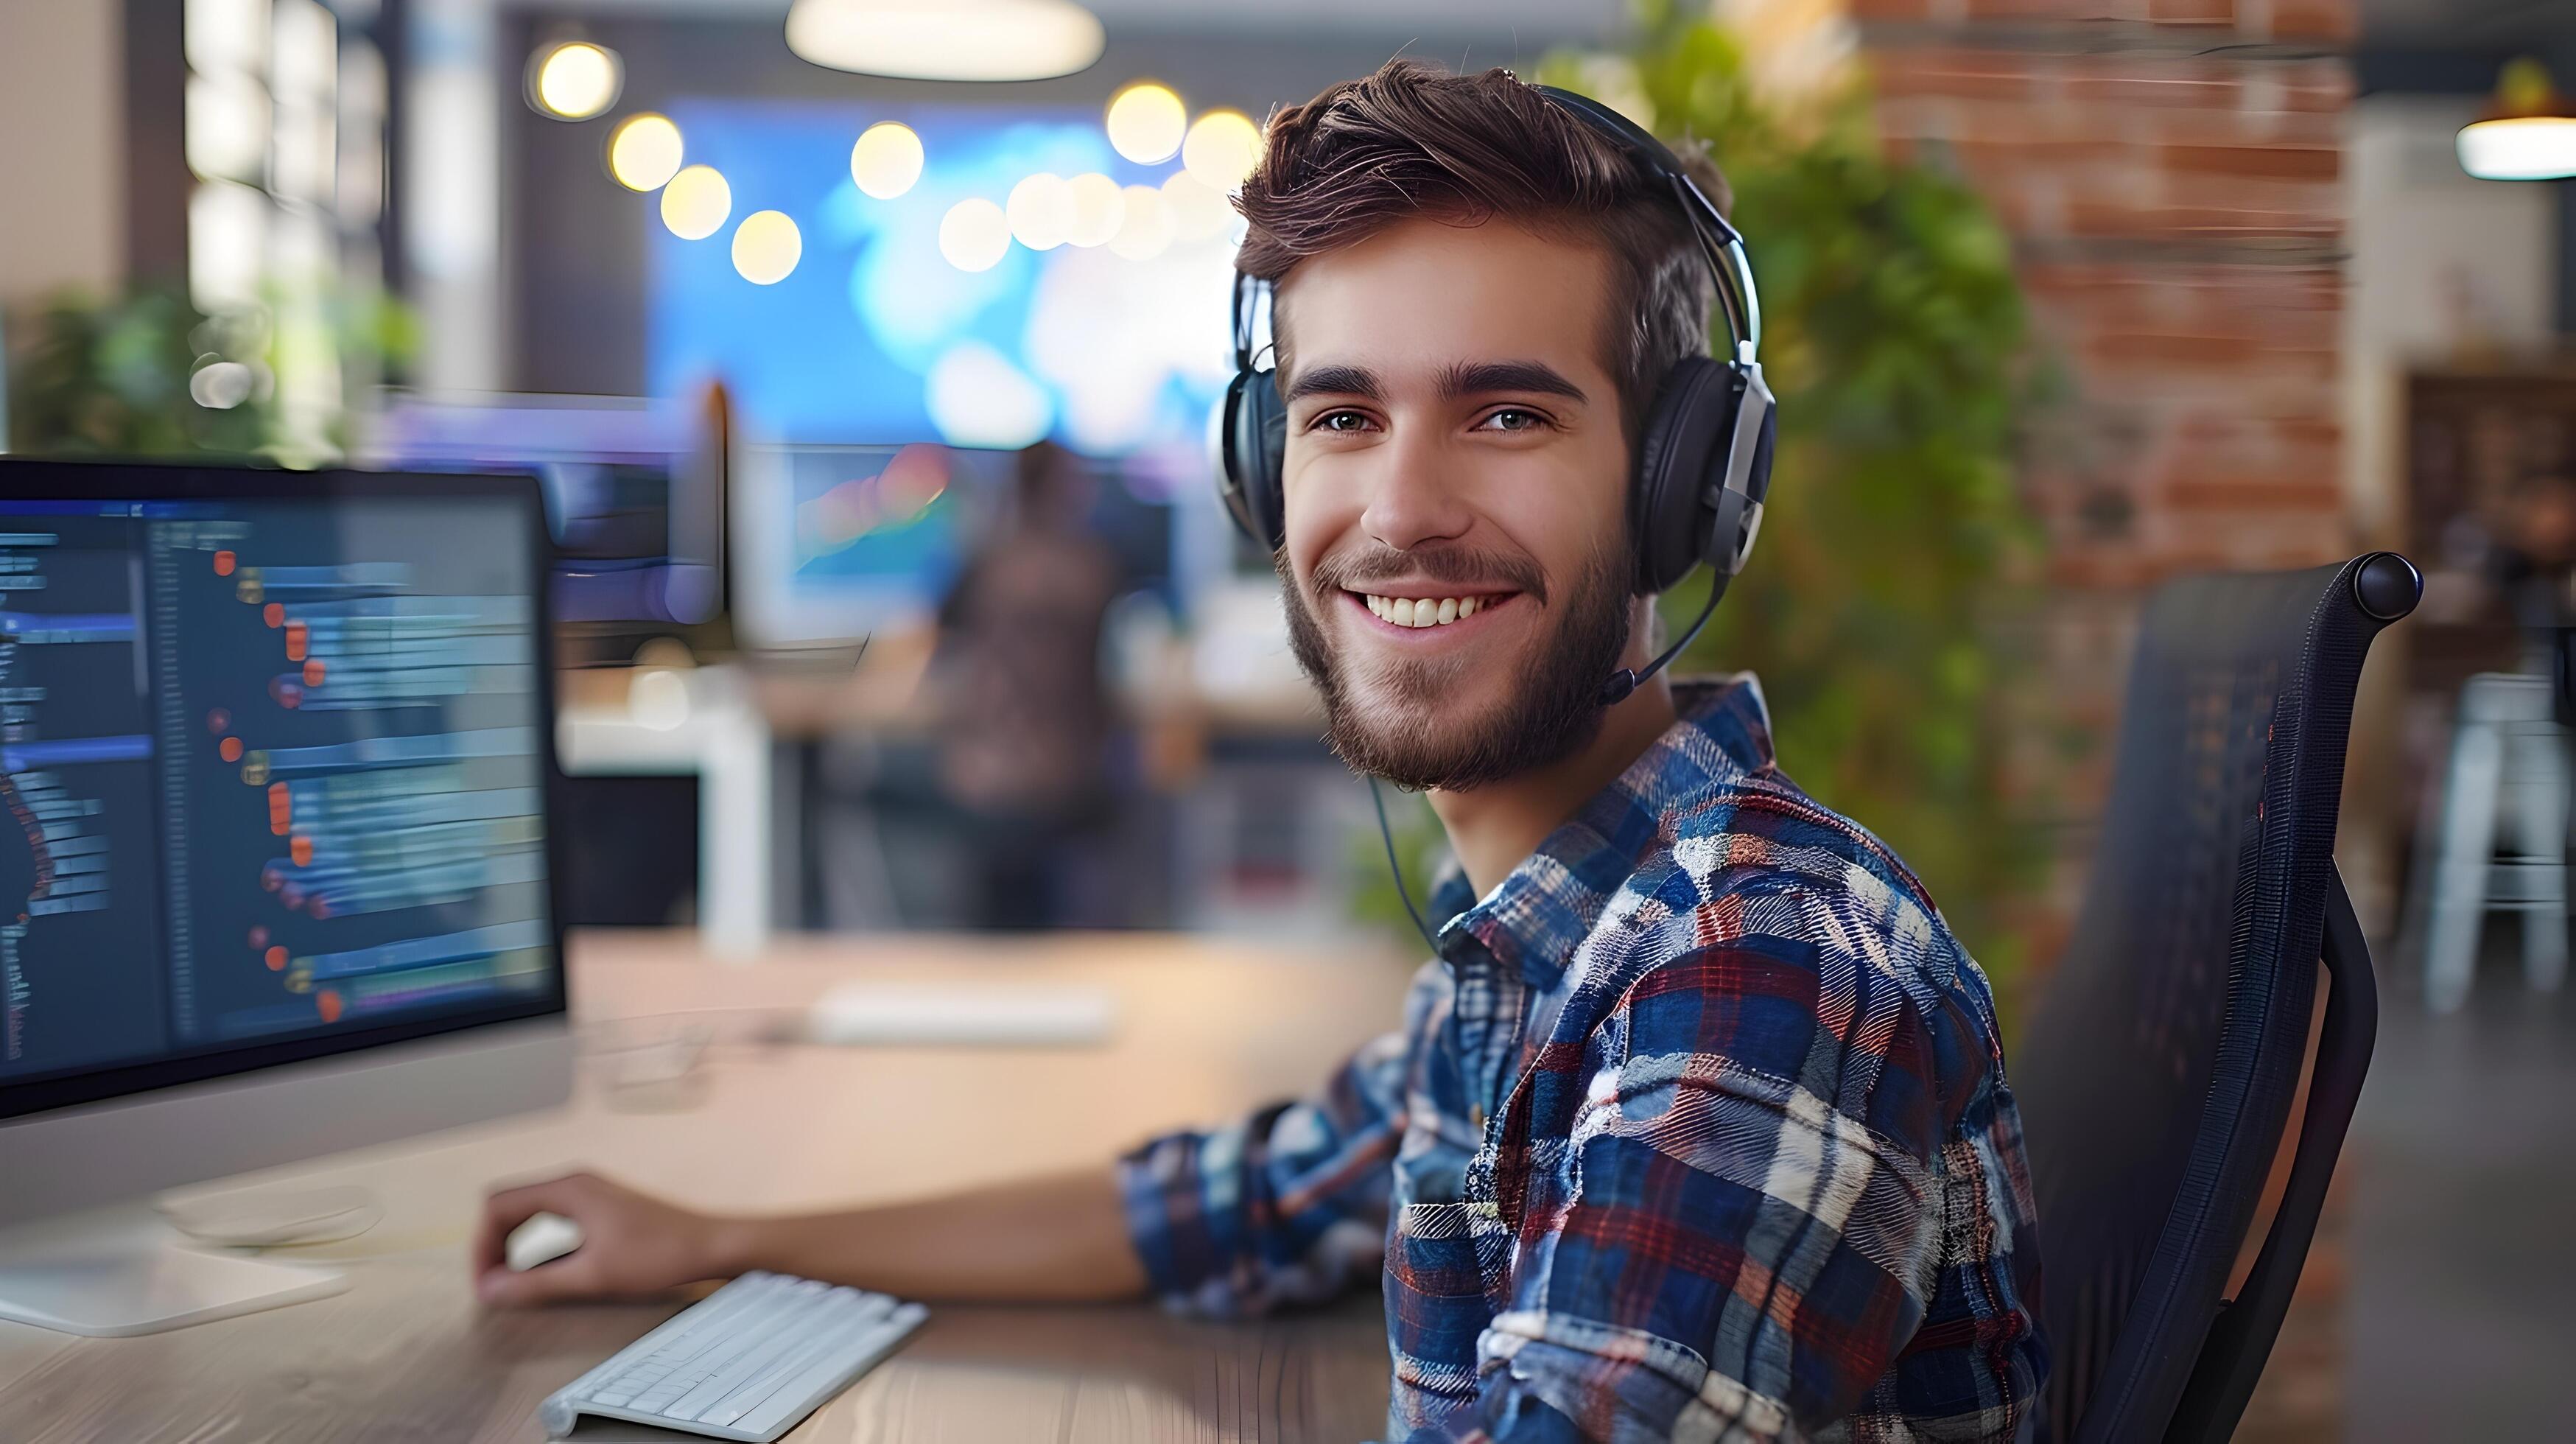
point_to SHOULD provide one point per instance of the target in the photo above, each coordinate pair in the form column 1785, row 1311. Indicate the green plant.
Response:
column 148, row 374
column 1894, row 338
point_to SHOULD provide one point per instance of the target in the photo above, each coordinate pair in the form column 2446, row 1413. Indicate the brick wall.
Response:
column 2171, row 172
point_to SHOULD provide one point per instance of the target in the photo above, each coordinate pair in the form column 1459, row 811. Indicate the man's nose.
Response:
column 1416, row 494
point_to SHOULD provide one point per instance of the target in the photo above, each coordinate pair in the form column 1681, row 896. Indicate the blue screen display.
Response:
column 877, row 338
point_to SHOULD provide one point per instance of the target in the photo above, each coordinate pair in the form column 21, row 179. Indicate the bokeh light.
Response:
column 575, row 81
column 1147, row 228
column 765, row 247
column 974, row 235
column 1041, row 211
column 1097, row 209
column 644, row 151
column 887, row 160
column 1146, row 121
column 696, row 202
column 1198, row 209
column 1221, row 148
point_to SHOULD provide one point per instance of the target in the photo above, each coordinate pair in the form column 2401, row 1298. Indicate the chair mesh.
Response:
column 2156, row 1079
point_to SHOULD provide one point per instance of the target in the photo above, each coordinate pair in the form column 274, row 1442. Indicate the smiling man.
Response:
column 1697, row 1125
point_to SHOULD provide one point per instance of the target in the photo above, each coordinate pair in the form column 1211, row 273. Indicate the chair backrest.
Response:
column 2156, row 1079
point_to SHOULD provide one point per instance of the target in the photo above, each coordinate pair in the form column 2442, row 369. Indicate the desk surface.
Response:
column 1203, row 1029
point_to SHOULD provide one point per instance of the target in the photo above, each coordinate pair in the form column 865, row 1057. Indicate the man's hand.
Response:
column 632, row 1245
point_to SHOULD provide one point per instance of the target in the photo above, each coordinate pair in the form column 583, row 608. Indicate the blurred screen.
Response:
column 877, row 336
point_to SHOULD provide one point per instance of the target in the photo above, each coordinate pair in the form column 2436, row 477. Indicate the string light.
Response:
column 766, row 247
column 1221, row 149
column 887, row 160
column 1147, row 228
column 1146, row 120
column 644, row 151
column 1041, row 211
column 574, row 81
column 1097, row 209
column 696, row 202
column 974, row 235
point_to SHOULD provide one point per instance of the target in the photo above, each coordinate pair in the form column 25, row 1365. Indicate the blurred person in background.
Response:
column 1697, row 1126
column 1023, row 714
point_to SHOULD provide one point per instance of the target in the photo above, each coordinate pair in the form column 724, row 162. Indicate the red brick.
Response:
column 2315, row 19
column 2126, row 83
column 2268, row 162
column 2201, row 222
column 2254, row 492
column 1967, row 74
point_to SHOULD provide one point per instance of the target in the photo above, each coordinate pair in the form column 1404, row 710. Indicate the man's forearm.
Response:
column 1062, row 1237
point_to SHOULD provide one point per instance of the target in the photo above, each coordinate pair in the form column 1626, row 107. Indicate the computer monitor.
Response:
column 842, row 542
column 634, row 489
column 276, row 752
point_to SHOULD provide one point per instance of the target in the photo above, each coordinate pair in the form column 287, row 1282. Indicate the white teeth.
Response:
column 1421, row 611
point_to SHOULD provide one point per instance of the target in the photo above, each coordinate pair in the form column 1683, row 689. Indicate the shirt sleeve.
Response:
column 1758, row 1221
column 1285, row 1206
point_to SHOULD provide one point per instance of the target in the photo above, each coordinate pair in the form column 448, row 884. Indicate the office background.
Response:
column 2069, row 298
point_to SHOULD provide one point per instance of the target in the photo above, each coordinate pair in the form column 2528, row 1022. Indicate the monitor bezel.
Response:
column 25, row 479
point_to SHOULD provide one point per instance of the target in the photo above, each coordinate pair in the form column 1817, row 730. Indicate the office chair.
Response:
column 2157, row 1077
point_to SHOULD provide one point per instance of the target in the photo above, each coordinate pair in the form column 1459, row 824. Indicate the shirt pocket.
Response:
column 1436, row 1308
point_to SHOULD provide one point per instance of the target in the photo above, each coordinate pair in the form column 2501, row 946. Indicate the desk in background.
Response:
column 1205, row 1029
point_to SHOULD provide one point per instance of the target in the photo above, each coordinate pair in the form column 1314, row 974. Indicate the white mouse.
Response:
column 542, row 1239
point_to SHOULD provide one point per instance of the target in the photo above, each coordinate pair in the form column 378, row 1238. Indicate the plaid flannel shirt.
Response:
column 1696, row 1129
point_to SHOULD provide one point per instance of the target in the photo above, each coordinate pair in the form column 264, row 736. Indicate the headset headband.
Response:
column 1719, row 241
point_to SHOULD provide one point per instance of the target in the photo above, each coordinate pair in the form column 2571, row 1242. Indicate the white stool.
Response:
column 2509, row 765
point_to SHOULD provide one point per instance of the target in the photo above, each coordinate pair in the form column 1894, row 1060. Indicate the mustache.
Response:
column 1466, row 568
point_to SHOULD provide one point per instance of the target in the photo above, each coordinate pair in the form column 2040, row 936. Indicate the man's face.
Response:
column 1457, row 565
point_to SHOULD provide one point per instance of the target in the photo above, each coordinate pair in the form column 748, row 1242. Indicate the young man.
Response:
column 1697, row 1126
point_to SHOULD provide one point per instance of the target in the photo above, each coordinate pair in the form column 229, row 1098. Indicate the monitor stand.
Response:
column 123, row 1271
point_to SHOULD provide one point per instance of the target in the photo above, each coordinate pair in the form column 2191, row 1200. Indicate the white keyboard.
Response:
column 746, row 1362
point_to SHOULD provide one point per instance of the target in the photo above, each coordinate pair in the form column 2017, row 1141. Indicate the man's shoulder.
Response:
column 1802, row 917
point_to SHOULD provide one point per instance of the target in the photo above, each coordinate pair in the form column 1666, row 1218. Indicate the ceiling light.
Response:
column 946, row 39
column 1145, row 122
column 573, row 81
column 887, row 159
column 2529, row 133
column 1221, row 149
column 644, row 152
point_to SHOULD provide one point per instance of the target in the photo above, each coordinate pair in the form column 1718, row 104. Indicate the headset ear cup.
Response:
column 1255, row 446
column 1672, row 522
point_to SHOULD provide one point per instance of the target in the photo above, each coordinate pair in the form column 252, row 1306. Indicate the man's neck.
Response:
column 1492, row 828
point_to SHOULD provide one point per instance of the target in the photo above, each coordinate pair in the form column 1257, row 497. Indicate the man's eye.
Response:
column 1514, row 418
column 1341, row 421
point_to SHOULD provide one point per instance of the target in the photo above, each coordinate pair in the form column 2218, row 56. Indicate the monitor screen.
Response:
column 274, row 768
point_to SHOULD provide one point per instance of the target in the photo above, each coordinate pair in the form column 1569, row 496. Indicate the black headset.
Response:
column 1703, row 463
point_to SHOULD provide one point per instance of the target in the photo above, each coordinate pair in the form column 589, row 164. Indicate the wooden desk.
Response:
column 1204, row 1029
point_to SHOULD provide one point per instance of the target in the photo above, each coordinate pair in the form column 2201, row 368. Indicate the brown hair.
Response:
column 1415, row 141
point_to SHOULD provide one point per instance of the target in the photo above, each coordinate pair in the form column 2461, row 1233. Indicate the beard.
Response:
column 1392, row 718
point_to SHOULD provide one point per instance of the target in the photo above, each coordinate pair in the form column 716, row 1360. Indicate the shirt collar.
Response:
column 1536, row 916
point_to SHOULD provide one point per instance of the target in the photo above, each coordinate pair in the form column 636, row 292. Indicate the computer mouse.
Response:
column 542, row 1239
